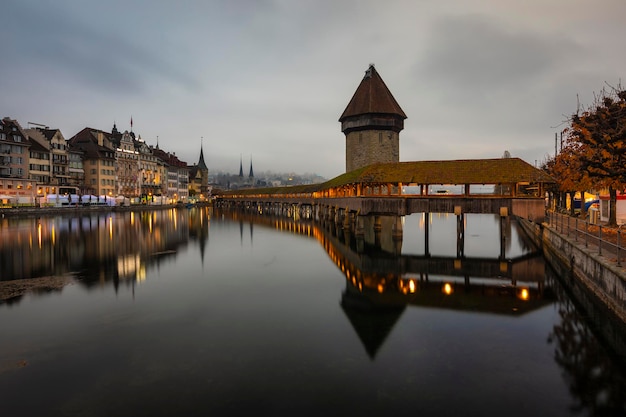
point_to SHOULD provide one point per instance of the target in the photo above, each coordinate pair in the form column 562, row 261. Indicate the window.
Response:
column 17, row 138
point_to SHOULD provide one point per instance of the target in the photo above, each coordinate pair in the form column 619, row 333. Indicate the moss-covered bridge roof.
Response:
column 462, row 171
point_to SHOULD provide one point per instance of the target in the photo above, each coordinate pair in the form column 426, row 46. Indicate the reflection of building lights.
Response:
column 380, row 288
column 523, row 294
column 447, row 288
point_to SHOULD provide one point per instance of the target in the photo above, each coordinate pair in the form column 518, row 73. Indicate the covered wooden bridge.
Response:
column 502, row 186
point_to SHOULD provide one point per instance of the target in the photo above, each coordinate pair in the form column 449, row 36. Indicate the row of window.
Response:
column 16, row 138
column 105, row 162
column 36, row 167
column 11, row 172
column 40, row 155
column 16, row 160
column 103, row 181
column 14, row 149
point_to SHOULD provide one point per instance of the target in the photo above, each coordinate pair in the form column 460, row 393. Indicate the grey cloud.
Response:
column 103, row 55
column 475, row 53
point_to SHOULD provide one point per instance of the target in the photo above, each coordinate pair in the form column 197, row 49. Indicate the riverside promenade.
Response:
column 593, row 261
column 74, row 210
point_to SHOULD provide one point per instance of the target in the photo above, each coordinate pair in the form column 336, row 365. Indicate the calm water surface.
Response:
column 195, row 312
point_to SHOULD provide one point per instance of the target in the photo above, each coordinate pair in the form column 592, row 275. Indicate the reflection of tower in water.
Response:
column 381, row 283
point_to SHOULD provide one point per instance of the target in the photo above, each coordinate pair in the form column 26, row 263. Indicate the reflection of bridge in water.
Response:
column 380, row 285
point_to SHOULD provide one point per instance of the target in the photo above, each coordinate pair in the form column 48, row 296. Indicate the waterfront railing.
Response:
column 608, row 241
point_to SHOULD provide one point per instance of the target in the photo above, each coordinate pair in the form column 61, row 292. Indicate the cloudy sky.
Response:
column 268, row 79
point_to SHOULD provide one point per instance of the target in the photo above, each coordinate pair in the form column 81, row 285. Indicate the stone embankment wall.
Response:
column 597, row 275
column 80, row 210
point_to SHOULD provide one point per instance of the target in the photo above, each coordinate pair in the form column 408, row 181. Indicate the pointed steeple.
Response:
column 251, row 175
column 201, row 163
column 240, row 167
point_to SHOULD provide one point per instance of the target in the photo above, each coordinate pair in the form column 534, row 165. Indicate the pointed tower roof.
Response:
column 240, row 167
column 372, row 96
column 251, row 175
column 201, row 163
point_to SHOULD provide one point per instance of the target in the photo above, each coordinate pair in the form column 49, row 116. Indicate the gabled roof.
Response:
column 48, row 133
column 169, row 158
column 37, row 140
column 87, row 141
column 372, row 96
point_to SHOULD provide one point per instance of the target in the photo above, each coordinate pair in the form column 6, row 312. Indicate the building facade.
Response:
column 127, row 166
column 52, row 146
column 14, row 158
column 98, row 152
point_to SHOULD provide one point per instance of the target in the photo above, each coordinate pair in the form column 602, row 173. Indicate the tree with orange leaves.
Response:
column 565, row 168
column 597, row 137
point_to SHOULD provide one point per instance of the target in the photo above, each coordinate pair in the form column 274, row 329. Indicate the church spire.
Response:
column 240, row 167
column 251, row 175
column 201, row 163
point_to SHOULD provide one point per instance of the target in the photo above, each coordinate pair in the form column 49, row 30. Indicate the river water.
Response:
column 201, row 312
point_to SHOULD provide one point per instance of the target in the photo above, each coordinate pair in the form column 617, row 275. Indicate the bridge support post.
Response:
column 346, row 220
column 359, row 234
column 378, row 227
column 426, row 234
column 503, row 218
column 397, row 235
column 460, row 232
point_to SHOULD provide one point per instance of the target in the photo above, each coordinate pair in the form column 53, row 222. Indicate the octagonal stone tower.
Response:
column 372, row 122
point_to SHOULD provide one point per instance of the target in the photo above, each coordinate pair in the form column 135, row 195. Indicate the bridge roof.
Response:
column 463, row 171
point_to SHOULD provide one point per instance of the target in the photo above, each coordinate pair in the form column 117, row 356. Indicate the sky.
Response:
column 267, row 80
